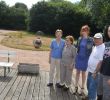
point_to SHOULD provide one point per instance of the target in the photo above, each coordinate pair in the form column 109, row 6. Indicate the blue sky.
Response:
column 29, row 3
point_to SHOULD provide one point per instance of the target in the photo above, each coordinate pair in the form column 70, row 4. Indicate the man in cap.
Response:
column 94, row 64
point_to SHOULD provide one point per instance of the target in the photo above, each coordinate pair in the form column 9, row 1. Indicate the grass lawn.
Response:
column 24, row 40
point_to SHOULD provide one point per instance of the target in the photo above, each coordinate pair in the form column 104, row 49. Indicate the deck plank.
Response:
column 9, row 85
column 42, row 84
column 29, row 87
column 25, row 88
column 47, row 89
column 4, row 81
column 19, row 88
column 13, row 88
column 35, row 95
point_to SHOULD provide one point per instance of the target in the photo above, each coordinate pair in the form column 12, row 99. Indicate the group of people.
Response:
column 90, row 54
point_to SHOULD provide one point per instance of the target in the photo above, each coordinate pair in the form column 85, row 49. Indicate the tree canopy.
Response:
column 13, row 17
column 47, row 16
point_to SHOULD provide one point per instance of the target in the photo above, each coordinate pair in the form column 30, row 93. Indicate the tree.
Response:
column 12, row 17
column 49, row 16
column 56, row 0
column 21, row 6
column 100, row 11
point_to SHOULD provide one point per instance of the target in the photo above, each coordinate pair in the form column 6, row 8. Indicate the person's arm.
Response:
column 97, row 69
column 101, row 53
column 74, row 56
column 50, row 55
column 51, row 47
column 108, row 81
column 75, row 52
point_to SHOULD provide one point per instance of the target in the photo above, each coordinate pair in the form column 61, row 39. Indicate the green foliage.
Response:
column 21, row 6
column 48, row 16
column 100, row 11
column 56, row 0
column 54, row 14
column 12, row 17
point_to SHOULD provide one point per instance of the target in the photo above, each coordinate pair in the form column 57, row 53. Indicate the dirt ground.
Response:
column 26, row 56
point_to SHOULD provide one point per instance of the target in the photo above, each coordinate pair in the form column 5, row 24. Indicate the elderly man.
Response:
column 94, row 64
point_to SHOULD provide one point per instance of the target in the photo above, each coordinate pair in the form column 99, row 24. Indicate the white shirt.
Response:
column 95, row 57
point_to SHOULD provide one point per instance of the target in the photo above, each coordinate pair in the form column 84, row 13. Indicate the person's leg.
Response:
column 92, row 87
column 106, row 88
column 77, row 78
column 83, row 78
column 68, row 77
column 76, row 81
column 58, row 64
column 62, row 74
column 52, row 70
column 83, row 82
column 100, row 87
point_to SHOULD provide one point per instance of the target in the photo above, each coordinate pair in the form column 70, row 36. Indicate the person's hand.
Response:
column 49, row 60
column 71, row 67
column 94, row 75
column 108, row 81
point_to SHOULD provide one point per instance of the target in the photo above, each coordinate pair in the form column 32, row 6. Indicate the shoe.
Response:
column 82, row 92
column 60, row 86
column 76, row 91
column 85, row 98
column 99, row 97
column 50, row 84
column 57, row 84
column 66, row 88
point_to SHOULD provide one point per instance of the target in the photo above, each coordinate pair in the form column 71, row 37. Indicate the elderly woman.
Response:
column 84, row 46
column 67, row 63
column 55, row 56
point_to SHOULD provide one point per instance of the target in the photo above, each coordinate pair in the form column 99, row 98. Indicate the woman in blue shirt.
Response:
column 55, row 56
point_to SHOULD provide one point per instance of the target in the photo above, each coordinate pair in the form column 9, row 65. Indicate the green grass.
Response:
column 24, row 40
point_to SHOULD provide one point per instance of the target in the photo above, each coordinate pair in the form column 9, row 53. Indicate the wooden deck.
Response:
column 27, row 87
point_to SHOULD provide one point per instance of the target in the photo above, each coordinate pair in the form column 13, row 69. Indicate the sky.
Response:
column 29, row 3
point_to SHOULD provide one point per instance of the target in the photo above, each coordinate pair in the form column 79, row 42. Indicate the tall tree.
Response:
column 48, row 16
column 21, row 5
column 100, row 11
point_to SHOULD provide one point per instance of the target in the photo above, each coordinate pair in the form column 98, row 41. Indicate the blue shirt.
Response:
column 57, row 49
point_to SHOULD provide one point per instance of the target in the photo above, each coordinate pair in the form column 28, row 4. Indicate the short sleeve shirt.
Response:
column 57, row 48
column 95, row 57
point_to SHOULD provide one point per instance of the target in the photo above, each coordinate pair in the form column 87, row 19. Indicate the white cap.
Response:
column 98, row 36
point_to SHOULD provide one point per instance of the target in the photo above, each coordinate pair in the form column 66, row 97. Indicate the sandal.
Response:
column 76, row 90
column 82, row 92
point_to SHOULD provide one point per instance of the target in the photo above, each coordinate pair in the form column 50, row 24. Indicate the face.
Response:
column 109, row 31
column 68, row 42
column 84, row 32
column 58, row 35
column 98, row 41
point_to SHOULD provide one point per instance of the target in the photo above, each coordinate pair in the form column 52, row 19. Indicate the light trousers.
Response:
column 54, row 70
column 65, row 75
